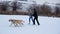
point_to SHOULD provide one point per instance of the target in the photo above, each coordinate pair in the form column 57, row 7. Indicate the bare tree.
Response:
column 3, row 7
column 14, row 6
column 57, row 13
column 46, row 9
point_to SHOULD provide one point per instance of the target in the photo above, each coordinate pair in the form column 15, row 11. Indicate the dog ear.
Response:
column 10, row 20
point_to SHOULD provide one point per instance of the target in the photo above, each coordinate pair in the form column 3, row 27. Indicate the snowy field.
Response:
column 48, row 25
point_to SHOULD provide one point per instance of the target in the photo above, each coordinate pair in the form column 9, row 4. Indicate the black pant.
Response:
column 36, row 20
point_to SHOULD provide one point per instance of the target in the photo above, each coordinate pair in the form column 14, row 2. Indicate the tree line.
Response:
column 44, row 10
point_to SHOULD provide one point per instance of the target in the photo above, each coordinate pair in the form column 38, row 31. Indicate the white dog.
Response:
column 16, row 22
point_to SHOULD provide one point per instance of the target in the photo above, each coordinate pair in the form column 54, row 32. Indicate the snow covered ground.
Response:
column 48, row 25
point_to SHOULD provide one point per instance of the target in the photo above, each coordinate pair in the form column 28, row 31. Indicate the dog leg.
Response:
column 11, row 24
column 16, row 25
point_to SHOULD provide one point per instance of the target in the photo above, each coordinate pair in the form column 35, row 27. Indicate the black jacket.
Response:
column 35, row 13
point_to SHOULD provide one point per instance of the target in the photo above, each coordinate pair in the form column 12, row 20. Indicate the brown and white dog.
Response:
column 16, row 22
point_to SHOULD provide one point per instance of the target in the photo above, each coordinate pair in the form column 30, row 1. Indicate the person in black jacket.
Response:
column 35, row 17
